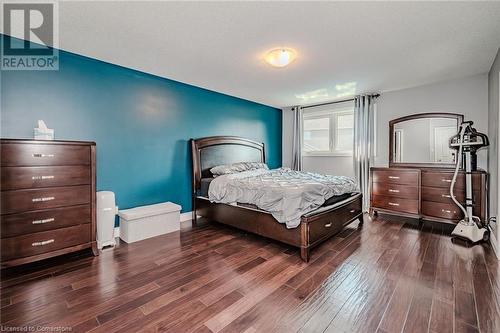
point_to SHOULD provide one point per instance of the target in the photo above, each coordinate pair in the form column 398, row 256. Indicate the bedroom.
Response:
column 272, row 166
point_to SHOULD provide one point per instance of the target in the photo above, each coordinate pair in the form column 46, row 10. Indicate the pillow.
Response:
column 237, row 167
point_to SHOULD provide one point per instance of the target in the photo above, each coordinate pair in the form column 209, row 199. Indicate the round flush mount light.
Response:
column 280, row 57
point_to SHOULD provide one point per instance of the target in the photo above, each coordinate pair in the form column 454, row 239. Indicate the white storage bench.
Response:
column 149, row 221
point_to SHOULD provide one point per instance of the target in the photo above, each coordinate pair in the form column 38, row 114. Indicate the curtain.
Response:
column 362, row 150
column 297, row 139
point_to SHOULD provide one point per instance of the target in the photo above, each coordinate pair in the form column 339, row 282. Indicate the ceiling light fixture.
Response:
column 280, row 57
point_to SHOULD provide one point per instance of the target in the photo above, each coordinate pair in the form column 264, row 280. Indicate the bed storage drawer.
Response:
column 396, row 176
column 395, row 204
column 43, row 242
column 43, row 220
column 34, row 154
column 395, row 190
column 52, row 197
column 324, row 225
column 15, row 178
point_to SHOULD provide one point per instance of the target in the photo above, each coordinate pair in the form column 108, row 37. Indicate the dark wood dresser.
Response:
column 424, row 193
column 47, row 199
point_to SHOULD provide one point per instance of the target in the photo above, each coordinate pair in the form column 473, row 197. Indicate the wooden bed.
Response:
column 315, row 227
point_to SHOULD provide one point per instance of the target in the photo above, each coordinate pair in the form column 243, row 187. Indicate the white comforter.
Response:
column 285, row 193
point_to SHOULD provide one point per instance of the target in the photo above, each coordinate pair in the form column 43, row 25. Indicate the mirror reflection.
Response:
column 424, row 140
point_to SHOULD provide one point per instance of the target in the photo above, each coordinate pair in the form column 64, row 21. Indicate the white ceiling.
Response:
column 343, row 47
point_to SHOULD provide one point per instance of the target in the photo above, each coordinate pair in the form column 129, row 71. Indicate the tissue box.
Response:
column 43, row 133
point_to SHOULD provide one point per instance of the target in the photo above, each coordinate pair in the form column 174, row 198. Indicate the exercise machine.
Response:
column 467, row 142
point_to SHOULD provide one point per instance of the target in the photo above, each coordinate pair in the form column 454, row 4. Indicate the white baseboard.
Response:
column 187, row 216
column 117, row 232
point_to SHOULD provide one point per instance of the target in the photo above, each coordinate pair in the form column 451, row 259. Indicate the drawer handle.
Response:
column 43, row 155
column 446, row 180
column 44, row 221
column 42, row 199
column 393, row 204
column 42, row 243
column 328, row 225
column 42, row 177
column 446, row 195
column 393, row 191
column 393, row 177
column 448, row 211
column 352, row 211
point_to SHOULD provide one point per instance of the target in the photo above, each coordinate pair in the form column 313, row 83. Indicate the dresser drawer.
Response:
column 395, row 204
column 442, row 179
column 327, row 225
column 26, row 200
column 14, row 178
column 407, row 177
column 43, row 220
column 441, row 210
column 46, row 241
column 442, row 194
column 34, row 154
column 395, row 190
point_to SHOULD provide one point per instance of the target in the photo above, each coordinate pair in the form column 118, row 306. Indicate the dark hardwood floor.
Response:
column 383, row 277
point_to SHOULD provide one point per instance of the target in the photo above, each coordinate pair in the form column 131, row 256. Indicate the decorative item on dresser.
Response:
column 47, row 199
column 424, row 193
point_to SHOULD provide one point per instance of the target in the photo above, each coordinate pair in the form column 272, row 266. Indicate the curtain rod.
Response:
column 335, row 102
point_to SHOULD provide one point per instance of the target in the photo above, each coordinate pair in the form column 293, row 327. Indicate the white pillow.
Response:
column 226, row 169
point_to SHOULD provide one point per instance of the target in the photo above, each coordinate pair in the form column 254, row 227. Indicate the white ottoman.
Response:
column 149, row 221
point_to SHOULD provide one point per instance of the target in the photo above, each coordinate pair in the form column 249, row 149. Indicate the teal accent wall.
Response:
column 141, row 123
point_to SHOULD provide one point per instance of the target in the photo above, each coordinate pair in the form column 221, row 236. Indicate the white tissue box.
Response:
column 43, row 133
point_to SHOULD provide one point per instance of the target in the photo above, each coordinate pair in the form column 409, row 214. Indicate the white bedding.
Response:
column 284, row 193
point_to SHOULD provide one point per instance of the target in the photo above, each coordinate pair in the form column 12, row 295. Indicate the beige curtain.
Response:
column 363, row 150
column 297, row 139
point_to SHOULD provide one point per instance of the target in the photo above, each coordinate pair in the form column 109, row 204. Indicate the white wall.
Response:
column 493, row 133
column 467, row 96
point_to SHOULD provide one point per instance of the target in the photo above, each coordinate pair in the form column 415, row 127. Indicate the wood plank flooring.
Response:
column 382, row 277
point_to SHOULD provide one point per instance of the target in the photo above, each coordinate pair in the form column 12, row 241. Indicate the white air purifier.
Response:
column 106, row 211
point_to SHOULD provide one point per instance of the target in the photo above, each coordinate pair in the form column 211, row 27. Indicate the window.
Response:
column 328, row 132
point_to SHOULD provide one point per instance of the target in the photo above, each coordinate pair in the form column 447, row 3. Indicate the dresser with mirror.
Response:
column 421, row 165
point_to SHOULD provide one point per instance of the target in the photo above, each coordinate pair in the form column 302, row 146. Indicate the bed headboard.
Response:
column 217, row 150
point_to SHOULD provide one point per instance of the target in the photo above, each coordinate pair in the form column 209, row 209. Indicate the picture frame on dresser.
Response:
column 48, row 199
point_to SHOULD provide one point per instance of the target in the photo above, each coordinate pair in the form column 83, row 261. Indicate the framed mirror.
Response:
column 422, row 140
